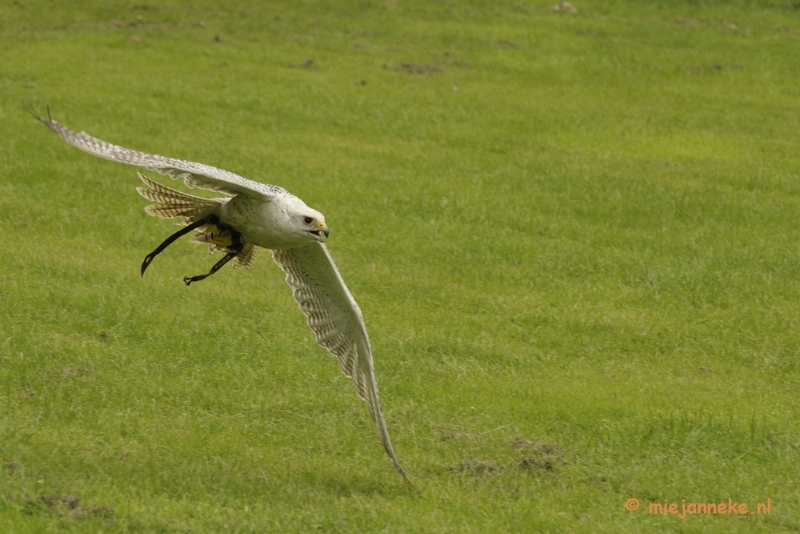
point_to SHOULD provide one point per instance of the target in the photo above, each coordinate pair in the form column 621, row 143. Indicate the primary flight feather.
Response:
column 259, row 215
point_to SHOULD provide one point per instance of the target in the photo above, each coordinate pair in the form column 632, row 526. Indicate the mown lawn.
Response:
column 574, row 237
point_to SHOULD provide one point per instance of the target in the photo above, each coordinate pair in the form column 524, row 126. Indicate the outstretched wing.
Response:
column 193, row 174
column 336, row 320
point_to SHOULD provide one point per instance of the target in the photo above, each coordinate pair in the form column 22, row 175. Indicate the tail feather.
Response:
column 172, row 203
column 176, row 209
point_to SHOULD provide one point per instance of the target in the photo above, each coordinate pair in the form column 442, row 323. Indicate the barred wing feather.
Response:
column 337, row 323
column 193, row 174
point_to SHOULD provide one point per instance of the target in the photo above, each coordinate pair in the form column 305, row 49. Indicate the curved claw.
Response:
column 236, row 249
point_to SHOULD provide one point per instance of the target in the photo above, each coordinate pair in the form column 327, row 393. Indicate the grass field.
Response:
column 574, row 238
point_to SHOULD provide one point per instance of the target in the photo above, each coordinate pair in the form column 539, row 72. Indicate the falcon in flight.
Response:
column 259, row 215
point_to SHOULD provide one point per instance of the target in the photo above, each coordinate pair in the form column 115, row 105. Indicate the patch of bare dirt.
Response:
column 307, row 64
column 415, row 68
column 506, row 44
column 537, row 455
column 68, row 505
column 699, row 68
column 703, row 22
column 13, row 467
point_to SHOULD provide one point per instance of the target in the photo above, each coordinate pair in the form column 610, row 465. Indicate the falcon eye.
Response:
column 308, row 220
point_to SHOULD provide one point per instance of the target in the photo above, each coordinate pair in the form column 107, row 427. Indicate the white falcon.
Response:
column 259, row 215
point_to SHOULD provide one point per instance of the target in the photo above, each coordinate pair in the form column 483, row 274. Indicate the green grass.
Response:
column 574, row 238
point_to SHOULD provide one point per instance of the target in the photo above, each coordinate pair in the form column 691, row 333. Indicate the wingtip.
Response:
column 32, row 111
column 49, row 122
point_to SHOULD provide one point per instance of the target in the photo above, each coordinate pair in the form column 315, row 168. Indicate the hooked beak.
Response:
column 321, row 229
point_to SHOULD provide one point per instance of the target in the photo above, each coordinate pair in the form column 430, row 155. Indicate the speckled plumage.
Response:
column 193, row 174
column 267, row 216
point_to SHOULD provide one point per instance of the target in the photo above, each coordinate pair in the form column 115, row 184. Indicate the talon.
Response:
column 217, row 266
column 236, row 246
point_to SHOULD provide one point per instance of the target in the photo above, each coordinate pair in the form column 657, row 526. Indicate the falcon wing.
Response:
column 336, row 320
column 193, row 174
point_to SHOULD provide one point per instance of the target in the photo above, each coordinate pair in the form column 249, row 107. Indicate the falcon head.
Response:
column 310, row 223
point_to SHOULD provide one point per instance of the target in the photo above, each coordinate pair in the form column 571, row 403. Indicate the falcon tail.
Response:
column 172, row 203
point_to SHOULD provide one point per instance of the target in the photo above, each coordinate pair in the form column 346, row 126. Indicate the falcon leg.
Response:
column 211, row 219
column 234, row 249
